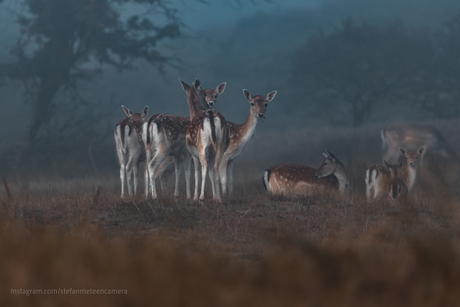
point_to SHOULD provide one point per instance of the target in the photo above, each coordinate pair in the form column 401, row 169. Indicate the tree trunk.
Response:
column 41, row 113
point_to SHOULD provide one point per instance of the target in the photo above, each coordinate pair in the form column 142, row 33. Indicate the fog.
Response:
column 251, row 46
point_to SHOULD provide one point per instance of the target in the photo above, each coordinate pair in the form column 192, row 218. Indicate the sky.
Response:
column 248, row 45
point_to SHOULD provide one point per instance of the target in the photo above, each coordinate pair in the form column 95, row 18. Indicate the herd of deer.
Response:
column 167, row 141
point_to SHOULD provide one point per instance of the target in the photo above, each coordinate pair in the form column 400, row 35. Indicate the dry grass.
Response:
column 250, row 250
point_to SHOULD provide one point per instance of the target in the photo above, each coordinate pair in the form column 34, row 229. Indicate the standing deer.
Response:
column 130, row 148
column 378, row 177
column 240, row 135
column 164, row 135
column 207, row 136
column 412, row 137
column 409, row 173
column 302, row 179
column 397, row 189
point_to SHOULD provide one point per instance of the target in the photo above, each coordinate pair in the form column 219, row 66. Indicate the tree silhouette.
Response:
column 63, row 42
column 347, row 73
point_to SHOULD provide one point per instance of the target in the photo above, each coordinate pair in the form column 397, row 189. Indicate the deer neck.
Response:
column 408, row 175
column 341, row 176
column 193, row 103
column 246, row 130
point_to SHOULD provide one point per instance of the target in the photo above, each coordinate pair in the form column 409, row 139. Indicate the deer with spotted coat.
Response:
column 378, row 177
column 291, row 179
column 130, row 147
column 164, row 135
column 207, row 136
column 240, row 135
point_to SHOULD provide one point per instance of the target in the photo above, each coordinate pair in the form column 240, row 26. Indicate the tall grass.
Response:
column 250, row 250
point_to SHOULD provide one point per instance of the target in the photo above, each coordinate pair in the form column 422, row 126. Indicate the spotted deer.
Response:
column 378, row 177
column 412, row 137
column 302, row 179
column 164, row 135
column 207, row 136
column 240, row 135
column 130, row 148
column 397, row 189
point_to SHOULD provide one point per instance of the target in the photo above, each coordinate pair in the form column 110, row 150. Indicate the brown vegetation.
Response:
column 250, row 250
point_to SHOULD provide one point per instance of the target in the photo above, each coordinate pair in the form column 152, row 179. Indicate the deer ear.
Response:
column 221, row 88
column 197, row 85
column 247, row 95
column 402, row 151
column 325, row 155
column 127, row 111
column 400, row 164
column 185, row 86
column 331, row 155
column 421, row 151
column 145, row 112
column 270, row 96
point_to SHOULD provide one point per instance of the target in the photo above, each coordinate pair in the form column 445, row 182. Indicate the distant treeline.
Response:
column 360, row 70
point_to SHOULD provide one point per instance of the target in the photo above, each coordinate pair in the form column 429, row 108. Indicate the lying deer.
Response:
column 302, row 179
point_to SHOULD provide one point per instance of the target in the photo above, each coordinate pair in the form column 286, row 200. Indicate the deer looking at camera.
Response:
column 378, row 177
column 130, row 148
column 164, row 135
column 412, row 137
column 240, row 135
column 207, row 136
column 301, row 179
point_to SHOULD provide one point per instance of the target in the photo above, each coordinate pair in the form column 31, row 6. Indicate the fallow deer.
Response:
column 409, row 173
column 240, row 135
column 397, row 189
column 207, row 136
column 302, row 179
column 164, row 135
column 130, row 148
column 412, row 137
column 377, row 179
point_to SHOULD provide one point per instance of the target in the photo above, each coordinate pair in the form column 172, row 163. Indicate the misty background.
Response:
column 336, row 63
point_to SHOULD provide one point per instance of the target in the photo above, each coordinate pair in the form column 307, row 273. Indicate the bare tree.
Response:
column 63, row 42
column 346, row 73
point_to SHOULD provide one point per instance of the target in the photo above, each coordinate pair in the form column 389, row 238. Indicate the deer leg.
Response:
column 223, row 175
column 230, row 177
column 196, row 162
column 177, row 169
column 136, row 179
column 188, row 161
column 122, row 174
column 212, row 178
column 204, row 169
column 159, row 157
column 129, row 173
column 146, row 174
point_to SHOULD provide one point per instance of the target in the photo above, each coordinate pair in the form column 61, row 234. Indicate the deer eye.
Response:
column 266, row 104
column 215, row 97
column 325, row 163
column 252, row 104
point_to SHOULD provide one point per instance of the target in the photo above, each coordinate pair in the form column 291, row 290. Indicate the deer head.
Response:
column 329, row 165
column 412, row 156
column 259, row 103
column 136, row 116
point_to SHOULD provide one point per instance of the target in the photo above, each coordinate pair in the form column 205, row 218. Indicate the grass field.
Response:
column 252, row 249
